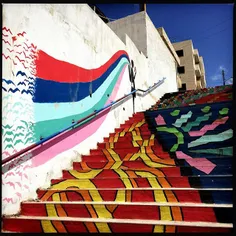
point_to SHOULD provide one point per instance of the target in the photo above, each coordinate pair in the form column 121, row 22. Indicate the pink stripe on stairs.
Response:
column 206, row 128
column 206, row 165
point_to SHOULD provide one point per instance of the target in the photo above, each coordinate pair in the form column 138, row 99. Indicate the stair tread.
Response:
column 129, row 221
column 186, row 204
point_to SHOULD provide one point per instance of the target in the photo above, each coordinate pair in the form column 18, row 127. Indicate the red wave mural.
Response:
column 49, row 68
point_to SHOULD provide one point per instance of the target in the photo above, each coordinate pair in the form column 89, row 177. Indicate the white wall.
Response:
column 73, row 33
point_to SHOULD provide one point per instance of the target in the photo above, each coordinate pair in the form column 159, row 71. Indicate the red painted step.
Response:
column 69, row 226
column 102, row 158
column 133, row 120
column 122, row 152
column 127, row 137
column 129, row 134
column 120, row 211
column 168, row 182
column 132, row 123
column 135, row 164
column 142, row 128
column 127, row 143
column 109, row 173
column 132, row 195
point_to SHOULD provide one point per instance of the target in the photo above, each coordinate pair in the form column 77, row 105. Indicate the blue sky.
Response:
column 210, row 26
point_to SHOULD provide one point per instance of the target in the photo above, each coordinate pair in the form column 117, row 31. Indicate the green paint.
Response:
column 17, row 104
column 20, row 127
column 212, row 138
column 175, row 113
column 25, row 123
column 49, row 127
column 30, row 140
column 9, row 146
column 30, row 133
column 8, row 133
column 227, row 151
column 182, row 119
column 18, row 135
column 178, row 134
column 18, row 141
column 199, row 119
column 206, row 109
column 8, row 140
column 7, row 126
column 224, row 111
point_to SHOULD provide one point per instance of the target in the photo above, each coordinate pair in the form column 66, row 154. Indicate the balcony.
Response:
column 179, row 81
column 197, row 70
column 196, row 56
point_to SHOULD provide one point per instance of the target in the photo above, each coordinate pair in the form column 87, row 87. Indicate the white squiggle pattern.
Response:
column 18, row 86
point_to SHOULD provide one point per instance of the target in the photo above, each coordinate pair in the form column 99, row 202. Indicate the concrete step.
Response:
column 26, row 224
column 192, row 195
column 157, row 150
column 73, row 181
column 158, row 171
column 138, row 163
column 130, row 137
column 129, row 211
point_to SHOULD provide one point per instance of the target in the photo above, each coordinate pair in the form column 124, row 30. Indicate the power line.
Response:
column 207, row 28
column 217, row 24
column 106, row 17
column 213, row 34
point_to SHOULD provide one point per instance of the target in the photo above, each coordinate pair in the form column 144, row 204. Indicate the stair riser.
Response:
column 128, row 138
column 141, row 128
column 144, row 212
column 139, row 165
column 132, row 121
column 139, row 195
column 35, row 226
column 157, row 150
column 129, row 134
column 101, row 157
column 223, row 160
column 140, row 160
column 168, row 171
column 127, row 144
column 159, row 182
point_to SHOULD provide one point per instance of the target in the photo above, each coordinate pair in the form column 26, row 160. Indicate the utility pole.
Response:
column 223, row 76
column 142, row 7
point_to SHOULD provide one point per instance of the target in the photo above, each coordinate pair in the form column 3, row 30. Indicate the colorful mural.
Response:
column 200, row 130
column 51, row 92
column 42, row 95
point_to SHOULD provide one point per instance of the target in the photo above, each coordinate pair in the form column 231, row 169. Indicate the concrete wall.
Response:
column 51, row 53
column 160, row 60
column 135, row 27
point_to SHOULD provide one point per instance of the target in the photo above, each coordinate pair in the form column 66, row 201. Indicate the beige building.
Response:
column 191, row 69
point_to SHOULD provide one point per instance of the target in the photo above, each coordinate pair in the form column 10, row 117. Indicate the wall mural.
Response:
column 50, row 93
column 42, row 95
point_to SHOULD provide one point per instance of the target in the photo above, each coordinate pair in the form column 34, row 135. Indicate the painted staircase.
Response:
column 163, row 170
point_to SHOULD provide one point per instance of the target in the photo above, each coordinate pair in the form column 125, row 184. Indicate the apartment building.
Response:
column 191, row 69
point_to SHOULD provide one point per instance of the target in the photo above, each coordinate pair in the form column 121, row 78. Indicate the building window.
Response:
column 180, row 53
column 181, row 70
column 183, row 88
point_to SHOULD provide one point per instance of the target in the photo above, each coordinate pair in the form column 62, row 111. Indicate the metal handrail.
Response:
column 79, row 122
